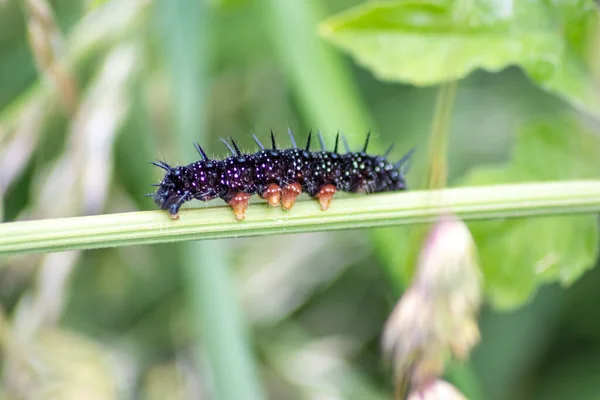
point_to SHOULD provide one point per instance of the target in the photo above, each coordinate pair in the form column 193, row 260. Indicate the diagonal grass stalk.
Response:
column 482, row 202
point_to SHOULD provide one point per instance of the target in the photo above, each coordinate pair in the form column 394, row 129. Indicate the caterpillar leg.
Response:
column 289, row 194
column 325, row 195
column 174, row 212
column 239, row 204
column 174, row 208
column 272, row 194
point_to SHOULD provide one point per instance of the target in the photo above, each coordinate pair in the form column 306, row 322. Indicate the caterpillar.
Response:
column 278, row 175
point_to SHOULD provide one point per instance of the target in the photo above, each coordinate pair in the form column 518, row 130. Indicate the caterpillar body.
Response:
column 278, row 175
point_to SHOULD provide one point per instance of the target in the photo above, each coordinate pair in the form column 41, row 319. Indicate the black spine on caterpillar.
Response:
column 278, row 175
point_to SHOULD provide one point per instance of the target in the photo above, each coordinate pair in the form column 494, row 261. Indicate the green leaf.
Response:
column 517, row 255
column 427, row 42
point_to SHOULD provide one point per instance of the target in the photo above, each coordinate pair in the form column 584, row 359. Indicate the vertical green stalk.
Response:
column 225, row 340
column 322, row 84
column 438, row 139
column 211, row 295
column 437, row 176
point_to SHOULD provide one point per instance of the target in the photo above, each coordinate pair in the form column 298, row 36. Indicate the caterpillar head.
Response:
column 374, row 174
column 395, row 174
column 181, row 184
column 174, row 189
column 391, row 177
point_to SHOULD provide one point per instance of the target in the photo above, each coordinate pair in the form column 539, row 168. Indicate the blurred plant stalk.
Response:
column 436, row 317
column 22, row 124
column 438, row 138
column 20, row 144
column 76, row 182
column 437, row 175
column 47, row 45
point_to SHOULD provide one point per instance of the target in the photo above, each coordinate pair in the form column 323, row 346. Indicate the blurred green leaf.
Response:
column 434, row 41
column 517, row 255
column 92, row 4
column 226, row 3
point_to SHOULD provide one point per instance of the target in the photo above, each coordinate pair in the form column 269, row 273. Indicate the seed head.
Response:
column 437, row 316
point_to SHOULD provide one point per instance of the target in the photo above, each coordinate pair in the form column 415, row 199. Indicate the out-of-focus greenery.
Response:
column 564, row 247
column 87, row 98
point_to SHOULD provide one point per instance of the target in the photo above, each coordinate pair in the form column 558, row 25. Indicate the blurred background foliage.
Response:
column 87, row 99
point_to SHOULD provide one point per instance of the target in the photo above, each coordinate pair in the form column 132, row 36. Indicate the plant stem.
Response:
column 438, row 139
column 437, row 176
column 211, row 295
column 225, row 340
column 483, row 202
column 322, row 84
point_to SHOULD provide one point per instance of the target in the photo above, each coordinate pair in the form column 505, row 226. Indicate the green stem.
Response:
column 438, row 139
column 210, row 290
column 483, row 202
column 225, row 336
column 322, row 84
column 437, row 177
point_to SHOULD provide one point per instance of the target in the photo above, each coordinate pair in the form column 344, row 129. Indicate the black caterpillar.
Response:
column 278, row 175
